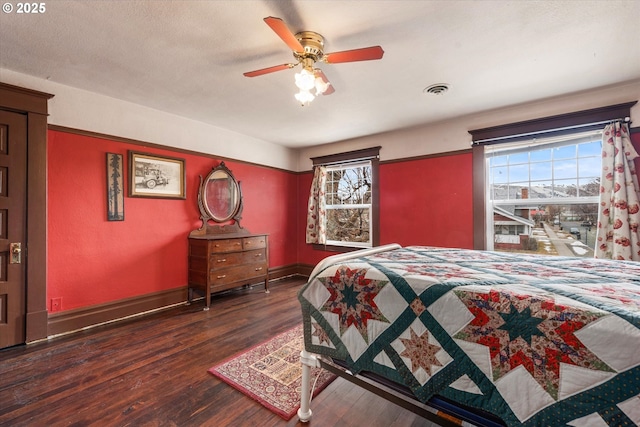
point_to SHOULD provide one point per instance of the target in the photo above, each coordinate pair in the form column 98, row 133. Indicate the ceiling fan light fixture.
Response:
column 321, row 86
column 311, row 84
column 305, row 80
column 304, row 97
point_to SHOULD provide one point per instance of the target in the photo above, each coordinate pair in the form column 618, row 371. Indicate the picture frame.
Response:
column 155, row 176
column 115, row 187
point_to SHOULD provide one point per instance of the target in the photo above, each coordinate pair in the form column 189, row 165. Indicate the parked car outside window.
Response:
column 575, row 232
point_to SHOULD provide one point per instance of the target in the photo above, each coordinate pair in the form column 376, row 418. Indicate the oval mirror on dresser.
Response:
column 221, row 194
column 222, row 254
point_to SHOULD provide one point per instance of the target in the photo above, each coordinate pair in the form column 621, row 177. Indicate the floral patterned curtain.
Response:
column 618, row 218
column 316, row 213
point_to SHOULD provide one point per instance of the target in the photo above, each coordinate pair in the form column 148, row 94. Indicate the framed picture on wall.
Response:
column 151, row 175
column 115, row 188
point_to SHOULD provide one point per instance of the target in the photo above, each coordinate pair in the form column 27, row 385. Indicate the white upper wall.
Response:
column 80, row 109
column 453, row 135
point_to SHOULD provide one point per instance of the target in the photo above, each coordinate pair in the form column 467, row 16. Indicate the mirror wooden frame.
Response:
column 227, row 215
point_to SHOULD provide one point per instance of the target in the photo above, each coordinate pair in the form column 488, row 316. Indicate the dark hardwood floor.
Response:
column 152, row 371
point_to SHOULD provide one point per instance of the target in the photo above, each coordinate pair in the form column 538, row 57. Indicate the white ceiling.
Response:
column 187, row 58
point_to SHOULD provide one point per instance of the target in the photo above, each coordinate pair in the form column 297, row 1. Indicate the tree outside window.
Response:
column 348, row 204
column 351, row 199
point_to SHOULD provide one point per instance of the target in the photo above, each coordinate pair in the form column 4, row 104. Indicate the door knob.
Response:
column 16, row 251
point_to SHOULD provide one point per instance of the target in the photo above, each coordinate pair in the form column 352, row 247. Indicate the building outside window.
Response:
column 543, row 184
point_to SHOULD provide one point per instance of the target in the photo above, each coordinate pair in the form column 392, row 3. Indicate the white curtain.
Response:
column 316, row 213
column 619, row 211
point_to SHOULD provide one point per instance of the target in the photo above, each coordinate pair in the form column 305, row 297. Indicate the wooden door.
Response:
column 13, row 191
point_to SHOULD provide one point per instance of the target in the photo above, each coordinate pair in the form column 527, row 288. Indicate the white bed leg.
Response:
column 308, row 361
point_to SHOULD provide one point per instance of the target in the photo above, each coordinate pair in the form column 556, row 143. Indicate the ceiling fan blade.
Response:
column 269, row 70
column 281, row 29
column 330, row 89
column 363, row 54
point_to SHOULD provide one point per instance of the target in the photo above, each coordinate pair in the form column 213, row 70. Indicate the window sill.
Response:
column 336, row 248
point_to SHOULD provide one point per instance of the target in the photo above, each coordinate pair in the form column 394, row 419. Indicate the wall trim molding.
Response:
column 75, row 320
column 412, row 158
column 96, row 315
column 552, row 125
column 278, row 273
column 24, row 100
column 427, row 156
column 114, row 138
column 305, row 269
column 34, row 105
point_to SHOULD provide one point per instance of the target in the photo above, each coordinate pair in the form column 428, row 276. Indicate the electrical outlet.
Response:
column 56, row 305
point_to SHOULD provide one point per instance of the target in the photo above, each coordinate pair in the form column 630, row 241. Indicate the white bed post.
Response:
column 308, row 361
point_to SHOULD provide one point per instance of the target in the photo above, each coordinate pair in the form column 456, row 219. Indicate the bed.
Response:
column 485, row 338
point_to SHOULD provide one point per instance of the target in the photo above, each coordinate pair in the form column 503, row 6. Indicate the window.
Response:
column 538, row 173
column 348, row 204
column 350, row 199
column 554, row 168
column 544, row 186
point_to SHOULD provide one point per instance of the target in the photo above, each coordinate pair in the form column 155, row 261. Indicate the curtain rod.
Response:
column 523, row 135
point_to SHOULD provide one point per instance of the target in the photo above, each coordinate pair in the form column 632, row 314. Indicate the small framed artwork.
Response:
column 156, row 176
column 115, row 188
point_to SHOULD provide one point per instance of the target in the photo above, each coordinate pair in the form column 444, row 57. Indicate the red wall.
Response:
column 93, row 261
column 422, row 202
column 427, row 202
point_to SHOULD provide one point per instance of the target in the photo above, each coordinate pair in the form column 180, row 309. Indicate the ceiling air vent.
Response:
column 437, row 89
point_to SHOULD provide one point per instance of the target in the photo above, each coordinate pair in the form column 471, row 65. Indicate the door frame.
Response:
column 34, row 105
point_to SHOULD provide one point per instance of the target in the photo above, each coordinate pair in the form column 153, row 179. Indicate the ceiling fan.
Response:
column 308, row 48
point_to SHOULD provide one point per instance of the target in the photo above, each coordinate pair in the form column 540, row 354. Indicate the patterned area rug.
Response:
column 271, row 374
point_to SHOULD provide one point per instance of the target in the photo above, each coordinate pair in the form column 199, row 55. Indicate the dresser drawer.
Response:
column 256, row 242
column 223, row 260
column 226, row 245
column 259, row 255
column 241, row 273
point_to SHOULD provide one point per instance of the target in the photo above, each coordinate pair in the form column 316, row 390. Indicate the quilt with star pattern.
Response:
column 535, row 340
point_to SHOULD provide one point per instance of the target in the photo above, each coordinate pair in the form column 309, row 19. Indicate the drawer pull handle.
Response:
column 257, row 255
column 222, row 260
column 259, row 268
column 222, row 277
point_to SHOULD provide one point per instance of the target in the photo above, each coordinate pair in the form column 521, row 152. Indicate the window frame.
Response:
column 339, row 206
column 344, row 159
column 530, row 147
column 553, row 162
column 543, row 127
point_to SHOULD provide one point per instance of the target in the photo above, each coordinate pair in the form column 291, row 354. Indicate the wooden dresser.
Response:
column 221, row 262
